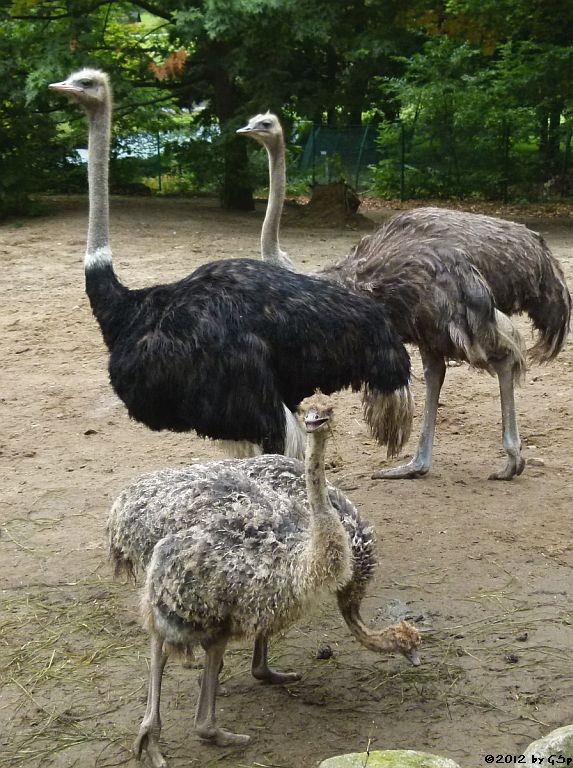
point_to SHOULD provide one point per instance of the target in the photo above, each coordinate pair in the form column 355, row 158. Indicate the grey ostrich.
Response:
column 267, row 130
column 449, row 281
column 241, row 548
column 230, row 350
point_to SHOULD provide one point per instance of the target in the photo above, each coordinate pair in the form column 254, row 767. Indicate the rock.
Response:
column 557, row 744
column 389, row 758
column 324, row 651
column 533, row 462
column 394, row 610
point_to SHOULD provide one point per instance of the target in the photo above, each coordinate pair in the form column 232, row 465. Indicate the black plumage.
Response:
column 221, row 350
column 226, row 349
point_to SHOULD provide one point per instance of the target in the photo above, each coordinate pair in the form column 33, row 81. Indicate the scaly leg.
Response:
column 205, row 720
column 221, row 690
column 434, row 373
column 260, row 665
column 150, row 728
column 511, row 440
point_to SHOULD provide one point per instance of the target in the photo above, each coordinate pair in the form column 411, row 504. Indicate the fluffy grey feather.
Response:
column 172, row 500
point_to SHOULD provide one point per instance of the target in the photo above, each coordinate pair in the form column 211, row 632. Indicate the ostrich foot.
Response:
column 271, row 677
column 404, row 472
column 260, row 665
column 147, row 740
column 515, row 466
column 221, row 737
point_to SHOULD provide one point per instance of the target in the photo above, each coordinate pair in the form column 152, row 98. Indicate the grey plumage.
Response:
column 451, row 259
column 450, row 281
column 242, row 548
column 172, row 500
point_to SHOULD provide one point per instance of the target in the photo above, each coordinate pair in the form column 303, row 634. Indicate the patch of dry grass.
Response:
column 64, row 639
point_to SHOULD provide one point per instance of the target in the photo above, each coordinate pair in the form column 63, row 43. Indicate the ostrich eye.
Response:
column 86, row 83
column 266, row 123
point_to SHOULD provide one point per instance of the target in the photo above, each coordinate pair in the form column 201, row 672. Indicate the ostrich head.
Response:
column 317, row 413
column 88, row 87
column 403, row 637
column 266, row 129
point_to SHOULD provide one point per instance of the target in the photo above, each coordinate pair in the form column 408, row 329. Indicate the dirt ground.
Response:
column 484, row 568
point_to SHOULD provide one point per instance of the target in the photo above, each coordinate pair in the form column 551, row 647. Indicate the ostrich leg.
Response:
column 511, row 440
column 150, row 728
column 434, row 373
column 260, row 666
column 205, row 720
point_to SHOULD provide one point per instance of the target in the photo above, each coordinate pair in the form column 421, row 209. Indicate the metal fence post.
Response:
column 313, row 147
column 360, row 153
column 158, row 137
column 402, row 163
column 505, row 182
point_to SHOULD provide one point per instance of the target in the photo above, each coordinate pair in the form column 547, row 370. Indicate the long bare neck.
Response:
column 98, row 252
column 270, row 247
column 375, row 640
column 109, row 299
column 330, row 555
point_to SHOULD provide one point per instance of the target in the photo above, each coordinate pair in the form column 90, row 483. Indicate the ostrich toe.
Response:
column 514, row 467
column 272, row 677
column 260, row 665
column 146, row 740
column 221, row 737
column 404, row 472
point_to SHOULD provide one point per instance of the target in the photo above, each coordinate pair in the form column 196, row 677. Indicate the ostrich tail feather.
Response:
column 510, row 340
column 295, row 436
column 389, row 417
column 294, row 444
column 551, row 311
column 123, row 565
column 239, row 449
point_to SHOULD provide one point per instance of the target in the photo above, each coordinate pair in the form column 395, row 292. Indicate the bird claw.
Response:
column 270, row 677
column 223, row 738
column 403, row 472
column 513, row 468
column 148, row 742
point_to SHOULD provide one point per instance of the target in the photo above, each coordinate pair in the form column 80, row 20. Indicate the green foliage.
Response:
column 482, row 88
column 477, row 122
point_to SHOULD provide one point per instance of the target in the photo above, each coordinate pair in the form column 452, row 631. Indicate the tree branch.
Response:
column 155, row 10
column 43, row 17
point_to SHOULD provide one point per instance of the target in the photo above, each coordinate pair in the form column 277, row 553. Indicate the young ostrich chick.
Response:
column 250, row 562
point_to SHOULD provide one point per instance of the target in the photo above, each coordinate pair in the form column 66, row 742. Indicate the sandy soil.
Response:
column 484, row 567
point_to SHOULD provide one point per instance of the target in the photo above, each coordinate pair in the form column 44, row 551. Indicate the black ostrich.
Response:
column 232, row 349
column 449, row 281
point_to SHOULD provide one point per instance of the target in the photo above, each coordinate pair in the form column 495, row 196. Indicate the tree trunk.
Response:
column 236, row 189
column 549, row 136
column 554, row 136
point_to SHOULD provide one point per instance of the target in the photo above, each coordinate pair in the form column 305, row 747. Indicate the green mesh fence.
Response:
column 333, row 154
column 498, row 161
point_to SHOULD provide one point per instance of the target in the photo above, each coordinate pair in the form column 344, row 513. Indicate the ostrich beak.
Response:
column 245, row 129
column 64, row 87
column 413, row 657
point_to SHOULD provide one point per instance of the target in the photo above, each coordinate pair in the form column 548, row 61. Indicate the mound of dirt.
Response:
column 332, row 205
